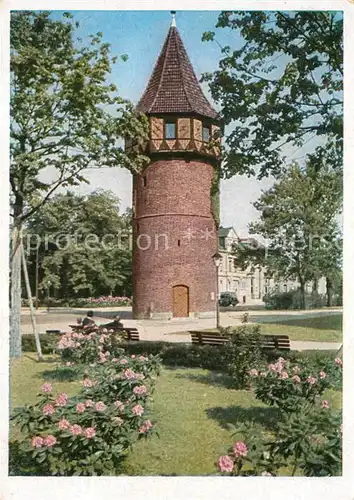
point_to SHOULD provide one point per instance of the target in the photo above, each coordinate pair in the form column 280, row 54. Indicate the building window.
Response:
column 144, row 181
column 179, row 243
column 222, row 241
column 206, row 133
column 230, row 266
column 170, row 130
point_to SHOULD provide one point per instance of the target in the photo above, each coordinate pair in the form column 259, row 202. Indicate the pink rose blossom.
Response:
column 284, row 375
column 225, row 463
column 240, row 449
column 325, row 404
column 63, row 424
column 100, row 406
column 76, row 430
column 138, row 410
column 133, row 356
column 253, row 372
column 322, row 374
column 50, row 441
column 140, row 389
column 61, row 399
column 47, row 387
column 80, row 407
column 311, row 380
column 296, row 379
column 90, row 432
column 142, row 358
column 104, row 330
column 129, row 374
column 37, row 442
column 87, row 382
column 123, row 361
column 145, row 427
column 48, row 409
column 89, row 403
column 119, row 405
column 338, row 362
column 272, row 368
column 262, row 374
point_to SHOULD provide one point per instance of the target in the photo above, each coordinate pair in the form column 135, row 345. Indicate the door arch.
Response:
column 180, row 301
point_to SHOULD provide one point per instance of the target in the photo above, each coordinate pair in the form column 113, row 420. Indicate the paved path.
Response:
column 168, row 330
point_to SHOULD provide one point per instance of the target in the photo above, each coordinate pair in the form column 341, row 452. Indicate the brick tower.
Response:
column 174, row 214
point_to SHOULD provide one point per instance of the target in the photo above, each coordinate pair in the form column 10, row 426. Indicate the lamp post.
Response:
column 217, row 261
column 48, row 294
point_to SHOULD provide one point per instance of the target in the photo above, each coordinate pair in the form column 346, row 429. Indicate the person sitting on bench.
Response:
column 115, row 323
column 88, row 321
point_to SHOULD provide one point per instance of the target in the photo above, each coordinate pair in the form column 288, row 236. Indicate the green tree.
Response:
column 298, row 220
column 64, row 116
column 84, row 245
column 282, row 85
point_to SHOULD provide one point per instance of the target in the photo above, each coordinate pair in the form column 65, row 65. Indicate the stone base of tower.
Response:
column 163, row 316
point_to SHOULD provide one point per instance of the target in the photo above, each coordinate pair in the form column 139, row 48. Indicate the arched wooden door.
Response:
column 180, row 301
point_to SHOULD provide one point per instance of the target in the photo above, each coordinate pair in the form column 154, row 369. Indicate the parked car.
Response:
column 228, row 299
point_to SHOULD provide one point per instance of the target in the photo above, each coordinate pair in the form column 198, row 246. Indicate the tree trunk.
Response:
column 33, row 314
column 315, row 285
column 329, row 287
column 302, row 295
column 15, row 293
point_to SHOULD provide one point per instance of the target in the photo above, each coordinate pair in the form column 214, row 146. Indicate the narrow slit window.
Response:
column 144, row 181
column 206, row 133
column 170, row 130
column 179, row 243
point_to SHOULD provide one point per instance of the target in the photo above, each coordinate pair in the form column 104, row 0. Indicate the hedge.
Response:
column 180, row 354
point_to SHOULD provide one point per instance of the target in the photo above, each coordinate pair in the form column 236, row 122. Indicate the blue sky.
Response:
column 140, row 35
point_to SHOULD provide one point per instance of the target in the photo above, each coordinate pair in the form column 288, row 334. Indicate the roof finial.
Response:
column 173, row 23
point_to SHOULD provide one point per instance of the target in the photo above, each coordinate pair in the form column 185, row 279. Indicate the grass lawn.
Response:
column 191, row 408
column 316, row 329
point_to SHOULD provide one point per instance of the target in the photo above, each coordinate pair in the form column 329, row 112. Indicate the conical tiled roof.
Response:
column 173, row 86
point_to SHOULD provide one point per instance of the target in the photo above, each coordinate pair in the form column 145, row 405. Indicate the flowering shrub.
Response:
column 307, row 435
column 89, row 434
column 309, row 440
column 287, row 385
column 107, row 301
column 90, row 347
column 244, row 350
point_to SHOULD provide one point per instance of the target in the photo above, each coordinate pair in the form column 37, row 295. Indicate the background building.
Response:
column 250, row 285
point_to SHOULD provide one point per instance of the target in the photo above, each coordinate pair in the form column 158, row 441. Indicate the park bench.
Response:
column 268, row 342
column 132, row 333
column 54, row 332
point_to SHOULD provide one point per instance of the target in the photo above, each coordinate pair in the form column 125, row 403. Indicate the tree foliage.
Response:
column 298, row 218
column 282, row 85
column 64, row 114
column 84, row 245
column 65, row 117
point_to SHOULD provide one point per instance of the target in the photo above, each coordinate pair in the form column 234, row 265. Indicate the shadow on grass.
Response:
column 59, row 374
column 267, row 417
column 212, row 378
column 33, row 357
